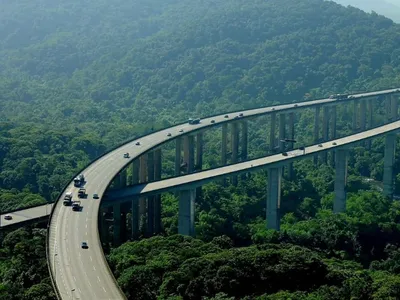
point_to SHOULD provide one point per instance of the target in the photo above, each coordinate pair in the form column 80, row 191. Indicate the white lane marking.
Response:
column 91, row 258
column 86, row 232
column 104, row 290
column 74, row 279
column 89, row 283
column 86, row 225
column 94, row 268
column 80, row 291
column 98, row 278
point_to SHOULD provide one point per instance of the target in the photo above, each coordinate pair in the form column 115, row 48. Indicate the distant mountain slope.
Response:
column 75, row 62
column 388, row 8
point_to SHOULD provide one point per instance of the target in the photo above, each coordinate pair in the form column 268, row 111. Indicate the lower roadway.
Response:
column 200, row 178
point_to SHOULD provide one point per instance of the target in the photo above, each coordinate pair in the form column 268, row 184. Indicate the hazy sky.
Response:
column 388, row 8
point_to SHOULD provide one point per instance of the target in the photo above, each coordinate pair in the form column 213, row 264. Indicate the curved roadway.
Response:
column 83, row 273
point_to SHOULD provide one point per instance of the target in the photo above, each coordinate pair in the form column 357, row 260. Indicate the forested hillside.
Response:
column 387, row 8
column 78, row 77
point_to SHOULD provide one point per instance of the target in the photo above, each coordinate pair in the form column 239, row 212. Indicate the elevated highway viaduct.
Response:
column 84, row 273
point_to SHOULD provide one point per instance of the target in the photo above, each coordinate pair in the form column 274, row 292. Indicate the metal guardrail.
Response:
column 145, row 134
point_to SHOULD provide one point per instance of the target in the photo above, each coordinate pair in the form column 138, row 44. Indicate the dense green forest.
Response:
column 79, row 77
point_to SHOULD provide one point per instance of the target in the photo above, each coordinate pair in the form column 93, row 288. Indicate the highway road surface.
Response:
column 84, row 273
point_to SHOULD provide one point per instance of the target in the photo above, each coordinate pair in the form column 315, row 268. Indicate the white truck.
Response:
column 68, row 198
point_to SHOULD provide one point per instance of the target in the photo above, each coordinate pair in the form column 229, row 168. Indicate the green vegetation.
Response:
column 79, row 77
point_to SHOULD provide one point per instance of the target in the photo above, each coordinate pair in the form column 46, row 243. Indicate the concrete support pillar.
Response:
column 135, row 172
column 291, row 145
column 235, row 141
column 333, row 132
column 244, row 141
column 117, row 224
column 135, row 219
column 178, row 149
column 325, row 131
column 388, row 178
column 370, row 119
column 339, row 204
column 316, row 131
column 244, row 145
column 272, row 137
column 387, row 108
column 150, row 199
column 274, row 198
column 123, row 227
column 135, row 222
column 157, row 198
column 355, row 115
column 186, row 212
column 199, row 158
column 363, row 115
column 224, row 144
column 394, row 108
column 282, row 131
column 142, row 200
column 199, row 151
column 188, row 153
column 235, row 147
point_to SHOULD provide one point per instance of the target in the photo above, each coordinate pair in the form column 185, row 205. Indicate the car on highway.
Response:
column 84, row 245
column 126, row 155
column 137, row 143
column 212, row 121
column 241, row 115
column 181, row 130
column 95, row 196
column 7, row 217
column 169, row 134
column 226, row 116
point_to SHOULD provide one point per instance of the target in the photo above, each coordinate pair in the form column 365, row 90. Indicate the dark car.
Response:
column 84, row 245
column 212, row 121
column 137, row 143
column 8, row 217
column 126, row 155
column 226, row 116
column 95, row 196
column 169, row 134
